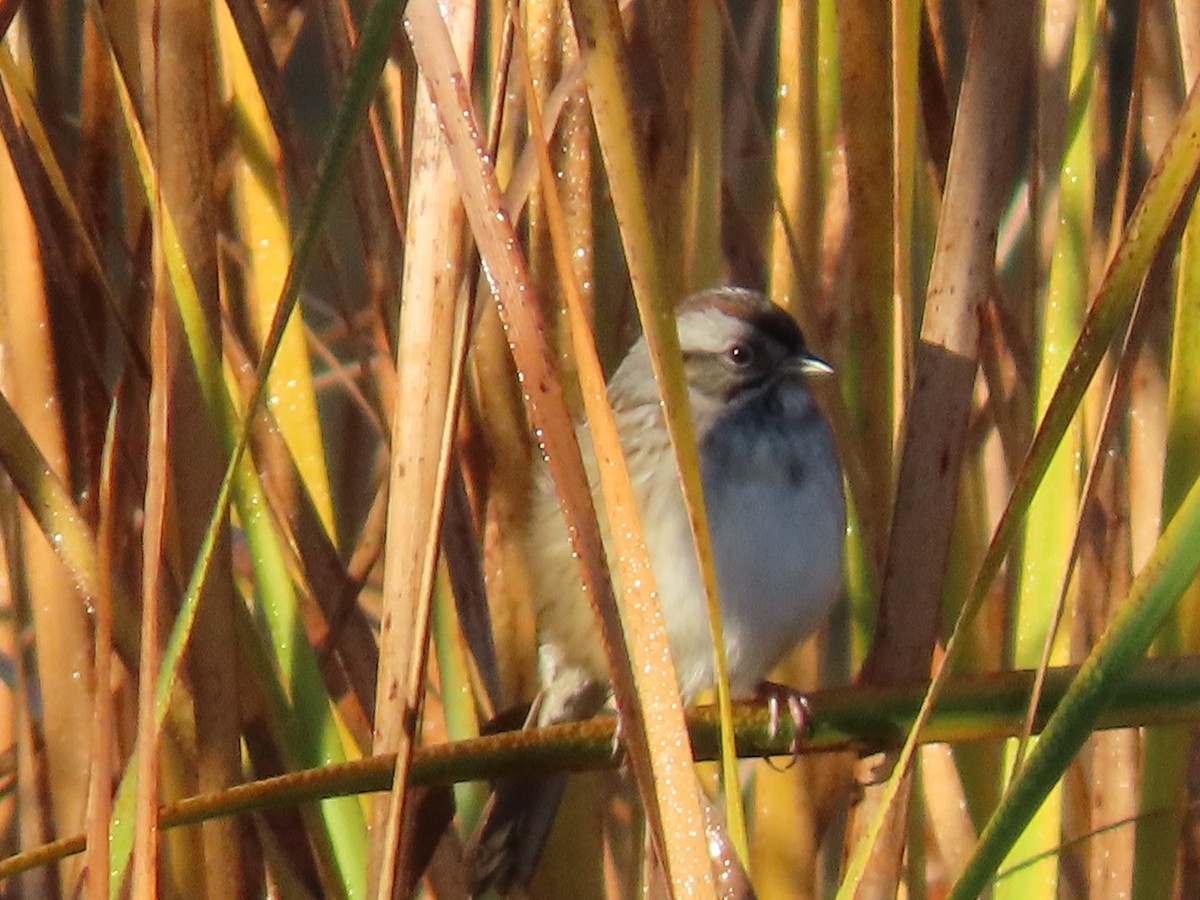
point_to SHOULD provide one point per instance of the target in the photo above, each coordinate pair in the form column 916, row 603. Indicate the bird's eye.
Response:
column 741, row 355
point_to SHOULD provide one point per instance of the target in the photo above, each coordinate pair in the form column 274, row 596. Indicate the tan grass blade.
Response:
column 183, row 140
column 598, row 25
column 868, row 374
column 58, row 184
column 910, row 610
column 103, row 741
column 668, row 790
column 144, row 866
column 949, row 820
column 701, row 232
column 787, row 804
column 641, row 616
column 794, row 279
column 428, row 362
column 50, row 528
column 907, row 180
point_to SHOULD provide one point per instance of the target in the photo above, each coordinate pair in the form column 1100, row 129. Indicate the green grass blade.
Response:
column 1152, row 596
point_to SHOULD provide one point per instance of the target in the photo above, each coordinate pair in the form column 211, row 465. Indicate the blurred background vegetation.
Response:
column 979, row 212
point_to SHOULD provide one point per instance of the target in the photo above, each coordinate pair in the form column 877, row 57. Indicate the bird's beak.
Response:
column 813, row 365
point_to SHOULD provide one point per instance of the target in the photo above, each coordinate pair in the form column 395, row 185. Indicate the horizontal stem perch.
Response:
column 976, row 708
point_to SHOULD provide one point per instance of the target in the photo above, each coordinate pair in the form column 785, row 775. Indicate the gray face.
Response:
column 737, row 348
column 737, row 345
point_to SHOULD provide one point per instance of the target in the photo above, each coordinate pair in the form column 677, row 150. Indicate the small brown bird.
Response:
column 777, row 519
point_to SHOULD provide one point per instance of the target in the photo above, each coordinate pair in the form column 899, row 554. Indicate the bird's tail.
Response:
column 506, row 847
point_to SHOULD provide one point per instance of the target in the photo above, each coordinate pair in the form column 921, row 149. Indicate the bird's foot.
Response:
column 779, row 696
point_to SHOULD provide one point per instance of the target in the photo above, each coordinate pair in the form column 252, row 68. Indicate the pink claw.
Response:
column 797, row 705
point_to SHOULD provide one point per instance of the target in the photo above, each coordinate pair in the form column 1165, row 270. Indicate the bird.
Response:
column 776, row 510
